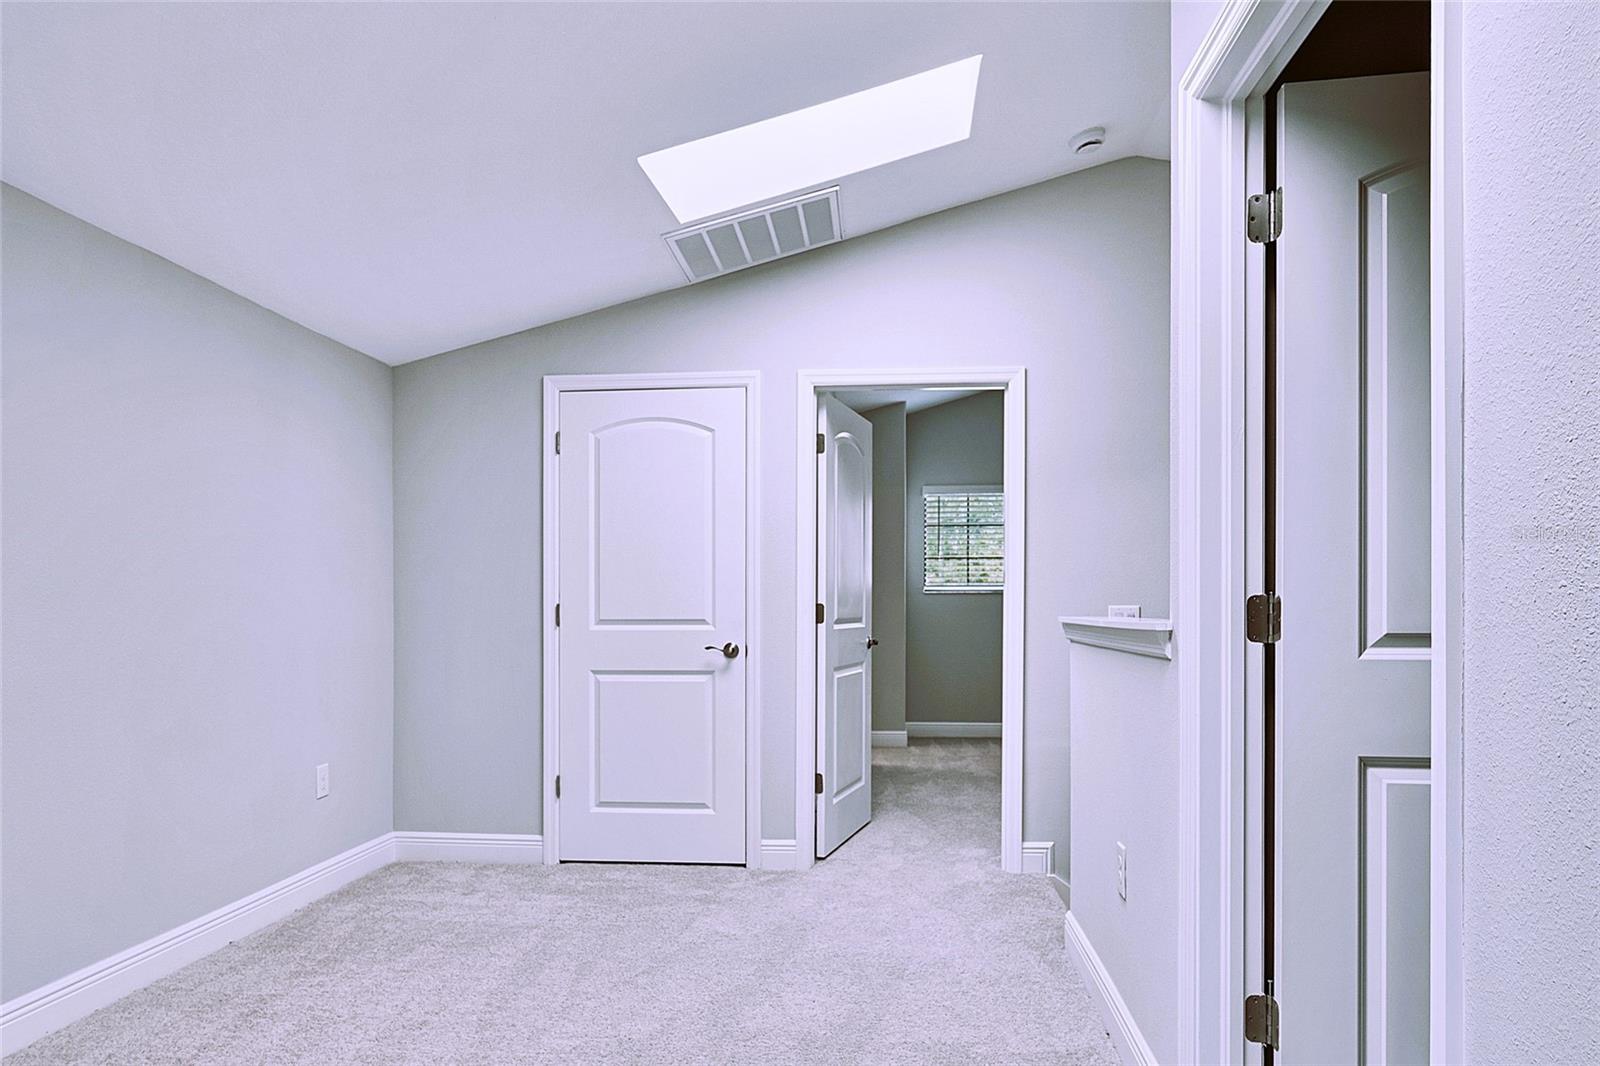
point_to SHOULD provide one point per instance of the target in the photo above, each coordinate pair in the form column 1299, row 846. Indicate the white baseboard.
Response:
column 1038, row 856
column 59, row 1003
column 888, row 738
column 509, row 848
column 953, row 729
column 1120, row 1024
column 780, row 855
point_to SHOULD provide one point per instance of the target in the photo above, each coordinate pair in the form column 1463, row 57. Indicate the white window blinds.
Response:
column 963, row 539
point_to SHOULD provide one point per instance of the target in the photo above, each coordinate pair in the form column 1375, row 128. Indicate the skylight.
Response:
column 817, row 144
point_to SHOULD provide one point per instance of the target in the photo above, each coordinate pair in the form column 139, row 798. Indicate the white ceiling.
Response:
column 865, row 400
column 411, row 178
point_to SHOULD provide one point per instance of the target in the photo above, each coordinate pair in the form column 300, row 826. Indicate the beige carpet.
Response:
column 908, row 945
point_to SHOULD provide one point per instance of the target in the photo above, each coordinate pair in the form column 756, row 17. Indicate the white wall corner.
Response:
column 780, row 855
column 1120, row 1023
column 502, row 848
column 888, row 738
column 1038, row 856
column 60, row 1003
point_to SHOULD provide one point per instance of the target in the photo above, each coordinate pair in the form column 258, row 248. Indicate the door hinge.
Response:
column 1263, row 214
column 1261, row 1020
column 558, row 786
column 558, row 616
column 819, row 784
column 819, row 614
column 822, row 443
column 1263, row 618
column 558, row 442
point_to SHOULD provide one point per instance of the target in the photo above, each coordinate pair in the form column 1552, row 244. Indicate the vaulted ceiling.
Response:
column 411, row 178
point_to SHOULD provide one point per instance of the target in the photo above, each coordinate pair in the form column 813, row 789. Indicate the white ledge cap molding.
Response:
column 1137, row 636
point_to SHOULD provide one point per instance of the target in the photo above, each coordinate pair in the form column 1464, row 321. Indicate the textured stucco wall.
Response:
column 1531, row 704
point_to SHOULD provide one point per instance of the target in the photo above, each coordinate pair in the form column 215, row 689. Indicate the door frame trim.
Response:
column 1013, row 381
column 1212, row 329
column 755, row 650
column 1447, row 343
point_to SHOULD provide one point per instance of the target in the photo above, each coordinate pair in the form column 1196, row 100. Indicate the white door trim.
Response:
column 755, row 651
column 1245, row 50
column 1014, row 381
column 1249, row 42
column 1447, row 296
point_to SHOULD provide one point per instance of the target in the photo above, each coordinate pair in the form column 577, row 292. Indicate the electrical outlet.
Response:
column 1124, row 610
column 322, row 781
column 1122, row 869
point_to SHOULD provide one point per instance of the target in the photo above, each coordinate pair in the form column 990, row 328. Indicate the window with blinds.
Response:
column 963, row 539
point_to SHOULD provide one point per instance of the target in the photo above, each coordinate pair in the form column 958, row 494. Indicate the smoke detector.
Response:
column 760, row 235
column 1089, row 140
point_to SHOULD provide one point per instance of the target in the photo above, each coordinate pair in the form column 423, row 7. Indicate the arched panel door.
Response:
column 652, row 629
column 844, row 665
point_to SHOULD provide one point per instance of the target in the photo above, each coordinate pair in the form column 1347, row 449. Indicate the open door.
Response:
column 844, row 630
column 1350, row 808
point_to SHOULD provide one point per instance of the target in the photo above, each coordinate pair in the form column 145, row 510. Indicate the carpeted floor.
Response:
column 908, row 945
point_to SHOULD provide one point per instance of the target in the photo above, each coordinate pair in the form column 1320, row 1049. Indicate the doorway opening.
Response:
column 910, row 511
column 1227, row 933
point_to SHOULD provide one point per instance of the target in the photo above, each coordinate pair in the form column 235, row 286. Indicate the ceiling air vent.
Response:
column 745, row 238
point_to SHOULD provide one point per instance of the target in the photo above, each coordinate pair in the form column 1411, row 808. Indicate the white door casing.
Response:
column 653, row 549
column 807, row 649
column 1216, row 163
column 844, row 662
column 1354, row 564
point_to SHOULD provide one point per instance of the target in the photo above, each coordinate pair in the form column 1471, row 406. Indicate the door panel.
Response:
column 1352, row 564
column 850, row 759
column 850, row 499
column 654, row 735
column 1395, row 490
column 654, row 499
column 1394, row 911
column 844, row 569
column 652, row 571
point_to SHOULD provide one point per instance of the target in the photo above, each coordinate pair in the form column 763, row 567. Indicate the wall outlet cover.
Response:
column 1124, row 610
column 1122, row 870
column 322, row 781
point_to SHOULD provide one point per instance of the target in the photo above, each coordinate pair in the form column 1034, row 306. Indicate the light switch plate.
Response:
column 1122, row 869
column 322, row 781
column 1124, row 610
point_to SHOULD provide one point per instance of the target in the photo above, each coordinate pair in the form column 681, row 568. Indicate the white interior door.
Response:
column 652, row 589
column 844, row 662
column 1353, row 570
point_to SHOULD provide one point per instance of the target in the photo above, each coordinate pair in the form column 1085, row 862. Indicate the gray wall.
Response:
column 1125, row 789
column 1188, row 23
column 197, row 595
column 952, row 639
column 1531, row 686
column 889, row 566
column 1068, row 278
